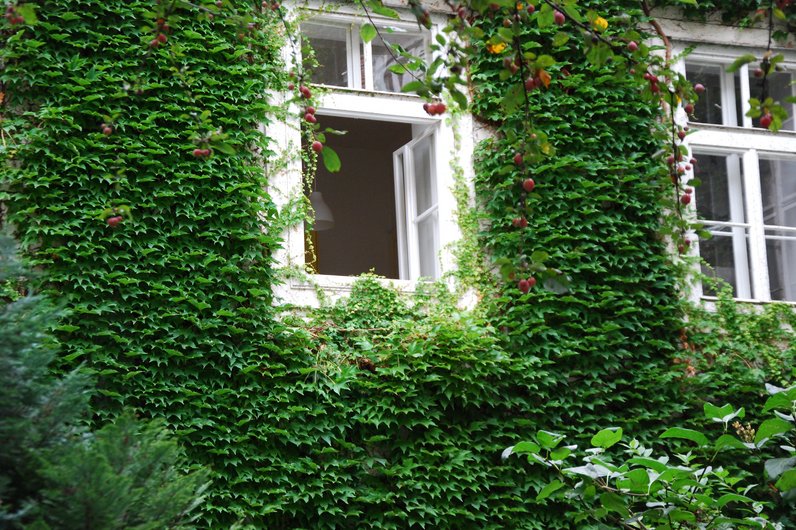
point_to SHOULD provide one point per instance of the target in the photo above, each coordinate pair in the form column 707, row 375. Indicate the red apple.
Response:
column 765, row 120
column 632, row 46
column 689, row 108
column 531, row 281
column 310, row 118
column 685, row 199
column 559, row 18
column 518, row 159
column 528, row 185
column 699, row 88
column 317, row 146
column 524, row 286
column 114, row 221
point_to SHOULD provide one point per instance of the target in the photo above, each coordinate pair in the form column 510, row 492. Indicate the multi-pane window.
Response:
column 386, row 198
column 345, row 60
column 726, row 100
column 746, row 197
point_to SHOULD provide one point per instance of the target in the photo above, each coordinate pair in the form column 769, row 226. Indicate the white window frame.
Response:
column 751, row 144
column 355, row 55
column 285, row 184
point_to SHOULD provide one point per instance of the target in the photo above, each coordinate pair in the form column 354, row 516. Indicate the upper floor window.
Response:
column 746, row 195
column 346, row 60
column 390, row 209
column 726, row 100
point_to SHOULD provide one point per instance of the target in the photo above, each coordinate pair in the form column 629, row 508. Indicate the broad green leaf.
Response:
column 397, row 68
column 539, row 256
column 732, row 497
column 728, row 440
column 224, row 147
column 686, row 434
column 771, row 427
column 367, row 32
column 560, row 453
column 560, row 39
column 787, row 481
column 549, row 489
column 330, row 160
column 548, row 440
column 723, row 414
column 740, row 61
column 27, row 12
column 545, row 16
column 614, row 503
column 380, row 9
column 526, row 447
column 607, row 437
column 412, row 86
column 777, row 466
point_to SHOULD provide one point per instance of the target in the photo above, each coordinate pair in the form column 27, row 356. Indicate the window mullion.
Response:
column 354, row 58
column 728, row 99
column 739, row 243
column 367, row 65
column 757, row 235
column 746, row 93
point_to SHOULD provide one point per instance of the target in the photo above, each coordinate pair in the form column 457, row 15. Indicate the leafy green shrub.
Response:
column 686, row 488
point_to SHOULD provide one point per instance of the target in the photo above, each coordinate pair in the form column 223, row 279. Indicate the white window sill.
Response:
column 330, row 288
column 710, row 302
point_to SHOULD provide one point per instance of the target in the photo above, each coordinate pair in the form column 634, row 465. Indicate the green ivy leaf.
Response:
column 331, row 161
column 367, row 32
column 740, row 61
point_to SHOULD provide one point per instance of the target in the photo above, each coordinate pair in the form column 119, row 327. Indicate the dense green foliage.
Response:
column 685, row 488
column 605, row 343
column 370, row 413
column 170, row 309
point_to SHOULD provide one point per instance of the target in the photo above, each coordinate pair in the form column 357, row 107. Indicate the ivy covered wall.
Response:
column 371, row 413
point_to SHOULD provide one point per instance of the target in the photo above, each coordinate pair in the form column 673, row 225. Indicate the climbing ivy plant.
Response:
column 136, row 175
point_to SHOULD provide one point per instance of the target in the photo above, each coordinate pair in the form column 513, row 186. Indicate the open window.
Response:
column 384, row 201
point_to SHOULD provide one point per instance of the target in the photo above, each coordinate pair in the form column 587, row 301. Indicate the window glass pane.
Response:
column 713, row 194
column 781, row 255
column 331, row 51
column 720, row 253
column 427, row 246
column 708, row 108
column 400, row 214
column 779, row 87
column 400, row 39
column 778, row 184
column 425, row 194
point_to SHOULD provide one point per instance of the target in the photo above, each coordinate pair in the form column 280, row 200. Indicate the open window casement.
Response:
column 417, row 208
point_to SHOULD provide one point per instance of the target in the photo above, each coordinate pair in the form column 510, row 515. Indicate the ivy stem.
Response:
column 658, row 29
